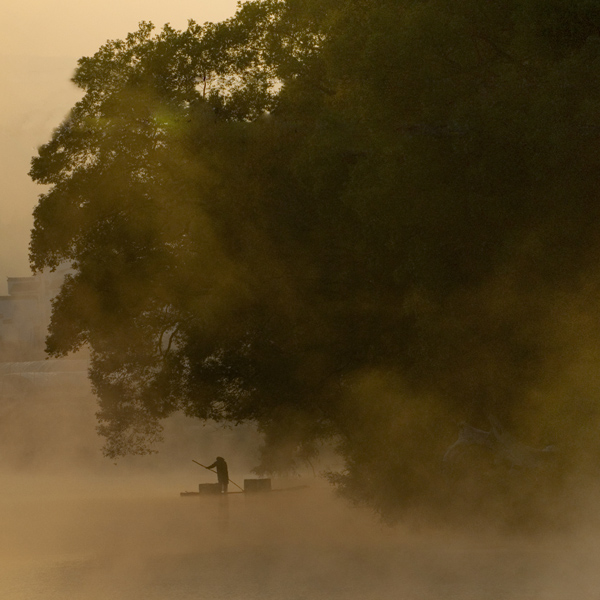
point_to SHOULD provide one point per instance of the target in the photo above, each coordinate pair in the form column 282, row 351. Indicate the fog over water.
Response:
column 75, row 525
column 66, row 537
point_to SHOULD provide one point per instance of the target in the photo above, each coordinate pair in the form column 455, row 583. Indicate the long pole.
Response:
column 234, row 483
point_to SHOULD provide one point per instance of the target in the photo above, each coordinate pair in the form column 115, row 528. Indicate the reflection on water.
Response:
column 299, row 545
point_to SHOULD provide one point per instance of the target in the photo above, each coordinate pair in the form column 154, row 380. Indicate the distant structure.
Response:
column 25, row 314
column 46, row 404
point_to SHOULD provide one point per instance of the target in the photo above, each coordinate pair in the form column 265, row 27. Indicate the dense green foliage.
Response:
column 361, row 221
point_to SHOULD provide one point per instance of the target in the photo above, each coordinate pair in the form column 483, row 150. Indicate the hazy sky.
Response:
column 40, row 42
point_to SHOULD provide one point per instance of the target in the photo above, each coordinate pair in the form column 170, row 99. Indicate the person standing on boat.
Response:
column 222, row 473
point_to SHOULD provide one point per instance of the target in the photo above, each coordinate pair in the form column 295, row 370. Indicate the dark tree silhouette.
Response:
column 361, row 222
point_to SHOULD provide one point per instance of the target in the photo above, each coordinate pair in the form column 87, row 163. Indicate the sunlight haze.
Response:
column 40, row 43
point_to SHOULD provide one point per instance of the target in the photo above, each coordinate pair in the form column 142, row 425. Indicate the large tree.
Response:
column 360, row 222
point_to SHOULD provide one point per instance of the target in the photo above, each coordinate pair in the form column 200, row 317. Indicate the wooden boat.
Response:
column 251, row 486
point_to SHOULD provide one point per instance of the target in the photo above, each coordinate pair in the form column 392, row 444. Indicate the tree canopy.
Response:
column 362, row 221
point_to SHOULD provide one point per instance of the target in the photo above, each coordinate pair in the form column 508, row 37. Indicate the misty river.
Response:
column 125, row 540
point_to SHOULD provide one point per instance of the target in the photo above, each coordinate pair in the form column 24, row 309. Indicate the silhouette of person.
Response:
column 222, row 473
